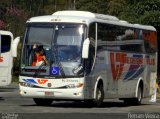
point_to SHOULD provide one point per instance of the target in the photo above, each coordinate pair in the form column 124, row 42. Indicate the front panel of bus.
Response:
column 58, row 72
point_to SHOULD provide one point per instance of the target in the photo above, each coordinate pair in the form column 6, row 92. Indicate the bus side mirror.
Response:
column 85, row 48
column 15, row 46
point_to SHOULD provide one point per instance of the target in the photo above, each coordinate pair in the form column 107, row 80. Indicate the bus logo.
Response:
column 134, row 65
column 42, row 81
column 54, row 71
column 49, row 84
column 117, row 64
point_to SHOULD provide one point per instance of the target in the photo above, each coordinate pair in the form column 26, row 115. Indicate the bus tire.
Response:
column 99, row 96
column 138, row 100
column 135, row 101
column 43, row 102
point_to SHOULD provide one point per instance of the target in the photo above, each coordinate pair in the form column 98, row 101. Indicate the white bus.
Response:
column 87, row 57
column 8, row 50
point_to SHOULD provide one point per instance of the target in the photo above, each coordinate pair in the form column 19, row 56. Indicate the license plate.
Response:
column 49, row 94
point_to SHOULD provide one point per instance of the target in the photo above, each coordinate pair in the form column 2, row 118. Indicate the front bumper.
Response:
column 59, row 94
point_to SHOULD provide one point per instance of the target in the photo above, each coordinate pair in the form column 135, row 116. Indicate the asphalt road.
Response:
column 13, row 106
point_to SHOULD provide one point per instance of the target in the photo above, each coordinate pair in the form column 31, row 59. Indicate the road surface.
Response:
column 13, row 106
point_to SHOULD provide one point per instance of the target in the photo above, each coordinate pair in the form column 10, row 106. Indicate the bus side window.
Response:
column 132, row 48
column 5, row 43
column 148, row 47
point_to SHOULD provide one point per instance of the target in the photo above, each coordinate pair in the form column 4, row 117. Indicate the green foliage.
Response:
column 115, row 7
column 151, row 18
column 147, row 5
column 134, row 11
column 143, row 12
column 96, row 6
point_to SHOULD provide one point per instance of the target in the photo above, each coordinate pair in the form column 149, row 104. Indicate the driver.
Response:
column 39, row 57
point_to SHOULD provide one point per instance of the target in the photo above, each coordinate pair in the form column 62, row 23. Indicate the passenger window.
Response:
column 148, row 47
column 150, row 41
column 132, row 48
column 5, row 43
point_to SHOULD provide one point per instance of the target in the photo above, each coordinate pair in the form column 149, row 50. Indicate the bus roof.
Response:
column 86, row 18
column 6, row 33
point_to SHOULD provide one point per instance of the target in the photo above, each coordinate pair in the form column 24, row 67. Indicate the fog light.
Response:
column 22, row 92
column 78, row 94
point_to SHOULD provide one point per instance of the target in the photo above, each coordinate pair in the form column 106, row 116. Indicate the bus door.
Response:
column 5, row 59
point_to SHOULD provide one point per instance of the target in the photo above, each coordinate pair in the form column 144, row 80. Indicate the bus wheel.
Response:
column 135, row 101
column 138, row 100
column 99, row 96
column 43, row 102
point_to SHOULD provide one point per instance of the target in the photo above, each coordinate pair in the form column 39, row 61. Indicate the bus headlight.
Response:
column 75, row 85
column 71, row 86
column 26, row 84
column 79, row 85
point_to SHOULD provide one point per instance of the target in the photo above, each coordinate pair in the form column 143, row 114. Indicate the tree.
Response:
column 115, row 7
column 143, row 12
column 96, row 6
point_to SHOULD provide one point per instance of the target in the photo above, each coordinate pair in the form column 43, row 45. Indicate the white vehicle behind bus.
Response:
column 8, row 50
column 90, row 57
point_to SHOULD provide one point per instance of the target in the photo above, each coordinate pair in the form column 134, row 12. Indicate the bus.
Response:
column 8, row 50
column 90, row 57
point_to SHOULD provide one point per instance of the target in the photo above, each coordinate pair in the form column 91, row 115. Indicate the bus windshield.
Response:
column 52, row 50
